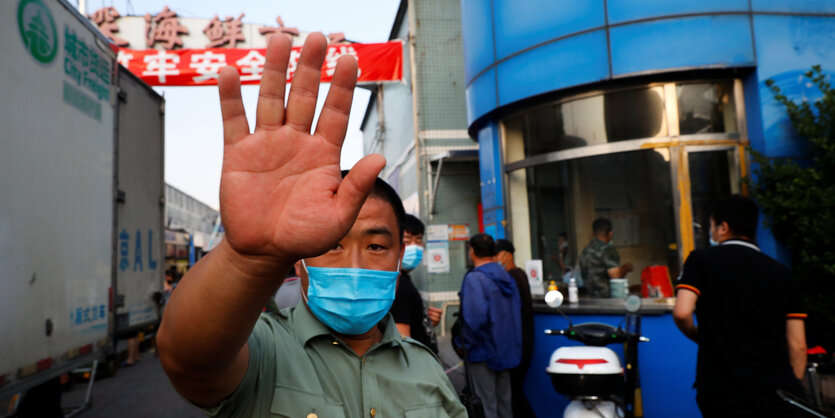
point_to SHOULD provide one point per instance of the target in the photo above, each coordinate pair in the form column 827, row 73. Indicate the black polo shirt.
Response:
column 408, row 309
column 744, row 300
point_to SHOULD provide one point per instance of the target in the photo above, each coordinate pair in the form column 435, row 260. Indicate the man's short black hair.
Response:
column 413, row 225
column 483, row 245
column 505, row 245
column 601, row 226
column 383, row 191
column 740, row 212
column 563, row 234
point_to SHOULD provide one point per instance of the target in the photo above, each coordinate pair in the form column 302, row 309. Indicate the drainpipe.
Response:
column 426, row 168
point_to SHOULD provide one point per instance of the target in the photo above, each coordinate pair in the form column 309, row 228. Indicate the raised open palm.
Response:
column 281, row 191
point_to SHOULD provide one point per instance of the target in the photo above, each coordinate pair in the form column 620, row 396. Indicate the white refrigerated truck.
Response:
column 81, row 196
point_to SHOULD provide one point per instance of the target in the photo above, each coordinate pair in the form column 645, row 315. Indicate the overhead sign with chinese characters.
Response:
column 166, row 50
column 195, row 67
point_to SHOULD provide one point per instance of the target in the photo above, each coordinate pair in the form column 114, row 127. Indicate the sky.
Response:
column 193, row 129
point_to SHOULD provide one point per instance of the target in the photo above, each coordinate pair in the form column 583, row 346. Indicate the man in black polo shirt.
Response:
column 411, row 317
column 750, row 329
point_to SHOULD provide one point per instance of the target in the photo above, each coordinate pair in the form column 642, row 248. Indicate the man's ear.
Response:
column 300, row 269
column 723, row 229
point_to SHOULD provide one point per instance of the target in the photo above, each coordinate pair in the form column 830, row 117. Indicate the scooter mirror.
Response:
column 633, row 303
column 553, row 299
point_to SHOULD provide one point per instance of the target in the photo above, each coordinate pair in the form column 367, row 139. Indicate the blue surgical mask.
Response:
column 350, row 301
column 412, row 257
column 713, row 242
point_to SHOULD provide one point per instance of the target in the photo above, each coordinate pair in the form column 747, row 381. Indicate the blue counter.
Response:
column 667, row 364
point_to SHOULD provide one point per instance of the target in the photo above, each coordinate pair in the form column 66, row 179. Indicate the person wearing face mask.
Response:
column 410, row 315
column 491, row 327
column 750, row 332
column 504, row 256
column 284, row 202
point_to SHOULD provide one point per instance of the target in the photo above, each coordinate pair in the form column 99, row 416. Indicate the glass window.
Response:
column 612, row 117
column 631, row 189
column 706, row 108
column 710, row 179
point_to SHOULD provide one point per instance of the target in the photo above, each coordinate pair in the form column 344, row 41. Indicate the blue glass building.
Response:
column 635, row 110
column 640, row 111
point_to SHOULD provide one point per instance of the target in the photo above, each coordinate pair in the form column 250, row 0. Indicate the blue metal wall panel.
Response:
column 793, row 6
column 576, row 60
column 706, row 41
column 481, row 96
column 787, row 47
column 667, row 365
column 754, row 120
column 492, row 188
column 489, row 162
column 521, row 24
column 625, row 10
column 477, row 30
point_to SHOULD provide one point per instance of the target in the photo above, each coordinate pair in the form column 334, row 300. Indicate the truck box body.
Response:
column 141, row 189
column 60, row 132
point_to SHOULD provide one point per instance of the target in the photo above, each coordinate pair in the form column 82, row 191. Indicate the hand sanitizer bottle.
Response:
column 572, row 291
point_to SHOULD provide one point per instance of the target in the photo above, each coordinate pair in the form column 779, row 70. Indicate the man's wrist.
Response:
column 252, row 266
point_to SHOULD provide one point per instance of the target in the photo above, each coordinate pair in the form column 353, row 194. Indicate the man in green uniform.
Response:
column 600, row 261
column 285, row 203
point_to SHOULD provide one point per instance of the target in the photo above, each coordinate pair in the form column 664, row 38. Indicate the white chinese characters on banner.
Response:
column 437, row 257
column 124, row 58
column 333, row 56
column 208, row 65
column 161, row 65
column 533, row 268
column 293, row 63
column 251, row 65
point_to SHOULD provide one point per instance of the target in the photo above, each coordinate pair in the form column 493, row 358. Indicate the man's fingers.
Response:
column 333, row 121
column 235, row 125
column 301, row 105
column 270, row 113
column 354, row 188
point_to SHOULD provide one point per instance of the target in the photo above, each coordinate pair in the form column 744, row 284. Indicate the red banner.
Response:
column 199, row 67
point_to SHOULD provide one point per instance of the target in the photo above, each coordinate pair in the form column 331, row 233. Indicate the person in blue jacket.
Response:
column 491, row 326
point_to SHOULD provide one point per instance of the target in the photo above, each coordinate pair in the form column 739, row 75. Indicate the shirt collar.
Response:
column 599, row 241
column 307, row 327
column 742, row 242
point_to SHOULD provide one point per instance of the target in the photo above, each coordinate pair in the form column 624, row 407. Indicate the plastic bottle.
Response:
column 572, row 291
column 552, row 285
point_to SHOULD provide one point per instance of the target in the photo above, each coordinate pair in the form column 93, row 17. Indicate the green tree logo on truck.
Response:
column 37, row 30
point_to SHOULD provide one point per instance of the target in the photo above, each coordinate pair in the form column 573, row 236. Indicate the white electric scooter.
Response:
column 591, row 375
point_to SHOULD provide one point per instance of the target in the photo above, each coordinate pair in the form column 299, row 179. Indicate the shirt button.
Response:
column 373, row 412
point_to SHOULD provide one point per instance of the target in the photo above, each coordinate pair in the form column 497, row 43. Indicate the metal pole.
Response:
column 435, row 188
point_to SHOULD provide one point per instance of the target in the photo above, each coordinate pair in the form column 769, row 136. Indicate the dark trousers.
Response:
column 521, row 406
column 758, row 404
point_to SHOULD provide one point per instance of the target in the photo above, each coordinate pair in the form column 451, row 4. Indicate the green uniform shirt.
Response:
column 298, row 368
column 595, row 260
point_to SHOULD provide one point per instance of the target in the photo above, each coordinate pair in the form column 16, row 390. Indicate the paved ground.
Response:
column 141, row 390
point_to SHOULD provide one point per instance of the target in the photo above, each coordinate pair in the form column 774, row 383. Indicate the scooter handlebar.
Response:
column 596, row 334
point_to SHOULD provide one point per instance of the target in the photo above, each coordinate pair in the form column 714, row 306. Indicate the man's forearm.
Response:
column 796, row 338
column 688, row 327
column 210, row 316
column 797, row 358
